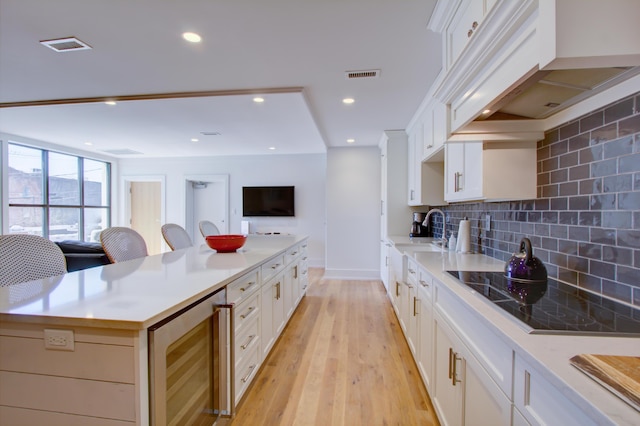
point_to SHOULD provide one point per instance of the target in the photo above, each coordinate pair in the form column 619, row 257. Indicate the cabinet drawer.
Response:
column 272, row 267
column 541, row 402
column 246, row 371
column 247, row 340
column 491, row 351
column 246, row 312
column 411, row 276
column 425, row 284
column 243, row 287
column 292, row 254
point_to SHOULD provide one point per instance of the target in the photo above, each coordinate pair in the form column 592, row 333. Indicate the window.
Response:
column 57, row 196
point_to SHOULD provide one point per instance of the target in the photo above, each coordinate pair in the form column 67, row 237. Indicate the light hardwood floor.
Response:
column 341, row 360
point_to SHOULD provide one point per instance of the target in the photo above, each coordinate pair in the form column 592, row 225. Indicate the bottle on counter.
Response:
column 452, row 242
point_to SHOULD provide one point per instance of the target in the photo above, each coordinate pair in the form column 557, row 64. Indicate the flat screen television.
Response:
column 268, row 201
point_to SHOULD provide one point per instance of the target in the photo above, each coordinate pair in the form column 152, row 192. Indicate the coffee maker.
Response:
column 417, row 229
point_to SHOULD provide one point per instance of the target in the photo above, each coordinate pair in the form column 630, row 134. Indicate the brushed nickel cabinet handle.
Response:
column 247, row 286
column 275, row 266
column 469, row 33
column 424, row 283
column 251, row 308
column 474, row 25
column 397, row 289
column 295, row 274
column 248, row 342
column 527, row 387
column 278, row 290
column 245, row 378
column 415, row 312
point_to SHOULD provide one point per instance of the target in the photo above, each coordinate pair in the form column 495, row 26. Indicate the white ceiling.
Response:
column 294, row 53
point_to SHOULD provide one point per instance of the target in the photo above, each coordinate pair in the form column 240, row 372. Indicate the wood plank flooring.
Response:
column 341, row 360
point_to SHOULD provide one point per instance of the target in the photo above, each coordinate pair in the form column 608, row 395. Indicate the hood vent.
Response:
column 362, row 74
column 548, row 92
column 65, row 44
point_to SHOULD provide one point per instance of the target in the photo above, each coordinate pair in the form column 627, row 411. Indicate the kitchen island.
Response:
column 528, row 377
column 97, row 371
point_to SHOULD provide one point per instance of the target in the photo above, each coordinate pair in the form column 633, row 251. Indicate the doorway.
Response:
column 144, row 206
column 206, row 198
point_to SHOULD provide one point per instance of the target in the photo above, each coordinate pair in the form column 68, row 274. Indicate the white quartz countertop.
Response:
column 137, row 293
column 548, row 353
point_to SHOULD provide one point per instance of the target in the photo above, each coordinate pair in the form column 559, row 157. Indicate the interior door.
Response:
column 145, row 203
column 207, row 198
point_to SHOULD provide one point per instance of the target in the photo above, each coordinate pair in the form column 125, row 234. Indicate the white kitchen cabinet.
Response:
column 542, row 403
column 425, row 351
column 397, row 262
column 490, row 171
column 411, row 306
column 490, row 48
column 463, row 26
column 384, row 263
column 425, row 179
column 395, row 214
column 464, row 393
column 434, row 131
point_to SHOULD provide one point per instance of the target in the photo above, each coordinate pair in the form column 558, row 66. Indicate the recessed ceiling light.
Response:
column 272, row 148
column 486, row 111
column 351, row 140
column 192, row 37
column 194, row 139
column 88, row 143
column 258, row 99
column 348, row 101
column 110, row 102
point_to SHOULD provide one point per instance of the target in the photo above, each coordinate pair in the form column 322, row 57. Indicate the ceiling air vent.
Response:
column 362, row 74
column 65, row 44
column 211, row 133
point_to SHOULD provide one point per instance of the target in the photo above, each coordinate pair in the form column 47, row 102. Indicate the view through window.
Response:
column 57, row 196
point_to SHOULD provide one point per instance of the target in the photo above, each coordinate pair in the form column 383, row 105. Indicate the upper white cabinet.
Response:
column 490, row 171
column 492, row 47
column 464, row 24
column 425, row 157
column 395, row 214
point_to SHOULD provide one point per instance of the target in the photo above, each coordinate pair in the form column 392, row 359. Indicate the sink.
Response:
column 438, row 243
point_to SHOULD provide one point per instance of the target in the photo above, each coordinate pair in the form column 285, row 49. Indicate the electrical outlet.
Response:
column 487, row 222
column 59, row 340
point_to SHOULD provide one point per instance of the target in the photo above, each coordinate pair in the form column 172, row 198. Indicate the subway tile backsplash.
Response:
column 585, row 223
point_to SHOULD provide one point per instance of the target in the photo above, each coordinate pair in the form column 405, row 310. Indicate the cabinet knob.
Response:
column 469, row 33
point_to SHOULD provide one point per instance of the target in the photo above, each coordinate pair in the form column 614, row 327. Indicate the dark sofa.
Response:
column 82, row 255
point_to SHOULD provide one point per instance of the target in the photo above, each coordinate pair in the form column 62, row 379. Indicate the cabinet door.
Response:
column 473, row 173
column 266, row 319
column 414, row 163
column 411, row 305
column 463, row 25
column 425, row 331
column 454, row 171
column 540, row 402
column 447, row 398
column 484, row 402
column 277, row 298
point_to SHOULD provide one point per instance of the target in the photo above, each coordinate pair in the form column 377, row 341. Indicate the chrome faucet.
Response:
column 426, row 223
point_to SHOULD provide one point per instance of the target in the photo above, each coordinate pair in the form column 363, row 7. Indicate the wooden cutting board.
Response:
column 619, row 374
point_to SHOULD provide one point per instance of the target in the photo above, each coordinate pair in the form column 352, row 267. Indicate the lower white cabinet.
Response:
column 540, row 402
column 425, row 350
column 464, row 394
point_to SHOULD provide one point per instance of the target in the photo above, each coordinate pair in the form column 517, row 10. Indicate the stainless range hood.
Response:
column 548, row 92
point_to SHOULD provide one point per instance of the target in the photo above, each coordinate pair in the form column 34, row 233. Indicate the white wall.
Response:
column 353, row 213
column 306, row 172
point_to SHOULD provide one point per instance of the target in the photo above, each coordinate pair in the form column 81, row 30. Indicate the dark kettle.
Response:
column 524, row 266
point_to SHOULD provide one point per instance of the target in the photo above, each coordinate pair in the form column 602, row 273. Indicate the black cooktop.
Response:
column 554, row 307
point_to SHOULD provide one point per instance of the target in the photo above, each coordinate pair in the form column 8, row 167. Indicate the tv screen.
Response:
column 268, row 201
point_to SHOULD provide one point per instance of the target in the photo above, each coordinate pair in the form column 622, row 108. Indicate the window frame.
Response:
column 46, row 205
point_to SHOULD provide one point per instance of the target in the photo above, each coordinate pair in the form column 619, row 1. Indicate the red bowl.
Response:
column 226, row 243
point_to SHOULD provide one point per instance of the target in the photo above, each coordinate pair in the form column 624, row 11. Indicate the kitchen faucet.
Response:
column 426, row 223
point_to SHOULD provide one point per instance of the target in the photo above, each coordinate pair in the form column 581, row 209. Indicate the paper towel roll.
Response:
column 463, row 244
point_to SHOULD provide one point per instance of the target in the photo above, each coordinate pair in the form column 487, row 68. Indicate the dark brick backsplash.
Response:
column 585, row 225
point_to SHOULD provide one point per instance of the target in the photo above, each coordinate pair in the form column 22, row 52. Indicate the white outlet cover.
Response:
column 59, row 340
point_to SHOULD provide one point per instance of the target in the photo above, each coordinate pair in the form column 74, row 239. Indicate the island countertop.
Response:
column 137, row 293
